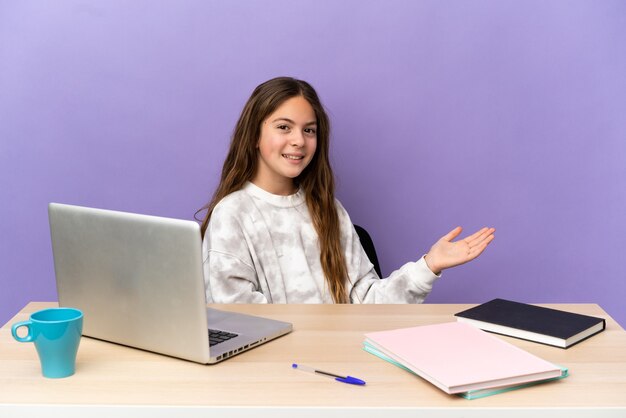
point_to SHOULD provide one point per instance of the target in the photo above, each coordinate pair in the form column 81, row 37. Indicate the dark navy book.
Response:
column 535, row 323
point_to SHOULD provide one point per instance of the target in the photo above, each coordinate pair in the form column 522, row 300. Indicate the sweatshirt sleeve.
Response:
column 229, row 273
column 411, row 283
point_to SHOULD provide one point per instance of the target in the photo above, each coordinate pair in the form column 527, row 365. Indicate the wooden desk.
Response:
column 112, row 379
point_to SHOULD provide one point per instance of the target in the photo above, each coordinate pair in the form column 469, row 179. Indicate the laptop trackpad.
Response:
column 246, row 326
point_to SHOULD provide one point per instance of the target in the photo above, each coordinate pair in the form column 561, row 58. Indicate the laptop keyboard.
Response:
column 216, row 336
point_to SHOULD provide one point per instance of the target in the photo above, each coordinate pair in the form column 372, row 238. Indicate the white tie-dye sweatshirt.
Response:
column 263, row 248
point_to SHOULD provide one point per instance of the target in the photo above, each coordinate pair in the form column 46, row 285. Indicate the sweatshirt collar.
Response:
column 273, row 199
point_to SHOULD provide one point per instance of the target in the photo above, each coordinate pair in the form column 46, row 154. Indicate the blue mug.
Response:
column 56, row 333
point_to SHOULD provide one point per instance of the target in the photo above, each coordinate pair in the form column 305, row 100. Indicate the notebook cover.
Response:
column 537, row 319
column 473, row 394
column 458, row 357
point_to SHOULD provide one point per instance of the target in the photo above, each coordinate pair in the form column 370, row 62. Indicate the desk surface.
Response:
column 329, row 337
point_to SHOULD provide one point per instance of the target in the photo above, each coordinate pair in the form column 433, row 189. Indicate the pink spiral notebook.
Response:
column 457, row 357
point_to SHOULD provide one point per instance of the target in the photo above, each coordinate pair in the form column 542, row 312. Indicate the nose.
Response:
column 297, row 139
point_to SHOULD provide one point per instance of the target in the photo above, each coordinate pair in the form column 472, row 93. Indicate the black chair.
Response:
column 368, row 246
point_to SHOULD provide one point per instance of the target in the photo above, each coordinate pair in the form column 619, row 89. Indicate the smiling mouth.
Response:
column 293, row 157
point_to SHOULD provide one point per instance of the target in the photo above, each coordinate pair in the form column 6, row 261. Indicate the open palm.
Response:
column 445, row 253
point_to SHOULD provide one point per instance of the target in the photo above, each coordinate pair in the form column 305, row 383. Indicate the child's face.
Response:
column 286, row 146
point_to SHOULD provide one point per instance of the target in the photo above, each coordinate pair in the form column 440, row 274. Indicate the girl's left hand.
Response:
column 445, row 253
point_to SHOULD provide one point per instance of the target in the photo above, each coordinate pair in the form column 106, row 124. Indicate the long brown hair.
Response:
column 317, row 180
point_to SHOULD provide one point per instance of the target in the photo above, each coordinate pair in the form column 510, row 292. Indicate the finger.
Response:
column 481, row 243
column 478, row 249
column 452, row 234
column 479, row 237
column 475, row 235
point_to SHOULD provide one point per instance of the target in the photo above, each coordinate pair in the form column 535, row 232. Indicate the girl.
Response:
column 274, row 232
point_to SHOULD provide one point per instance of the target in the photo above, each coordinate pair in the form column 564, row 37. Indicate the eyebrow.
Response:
column 292, row 122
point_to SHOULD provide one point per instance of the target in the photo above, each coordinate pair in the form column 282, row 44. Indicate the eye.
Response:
column 310, row 131
column 283, row 127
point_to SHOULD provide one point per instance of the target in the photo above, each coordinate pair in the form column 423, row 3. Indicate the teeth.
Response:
column 292, row 157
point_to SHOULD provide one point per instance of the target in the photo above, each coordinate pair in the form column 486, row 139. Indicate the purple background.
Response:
column 502, row 113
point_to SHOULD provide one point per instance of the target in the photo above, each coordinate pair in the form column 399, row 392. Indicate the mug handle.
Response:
column 28, row 338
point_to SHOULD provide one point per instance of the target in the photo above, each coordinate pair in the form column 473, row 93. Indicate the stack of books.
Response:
column 461, row 359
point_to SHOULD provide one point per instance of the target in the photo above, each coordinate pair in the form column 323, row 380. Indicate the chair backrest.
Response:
column 368, row 246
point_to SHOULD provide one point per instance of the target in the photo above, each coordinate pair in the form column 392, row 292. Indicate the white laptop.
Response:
column 139, row 281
